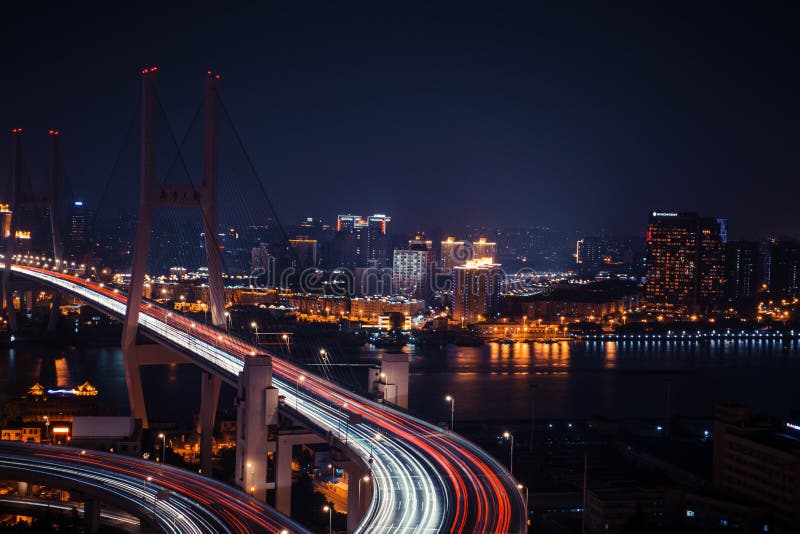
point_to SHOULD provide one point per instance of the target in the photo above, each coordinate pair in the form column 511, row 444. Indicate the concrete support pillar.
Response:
column 359, row 494
column 133, row 379
column 209, row 399
column 393, row 380
column 283, row 477
column 91, row 516
column 24, row 489
column 256, row 426
column 29, row 301
column 52, row 321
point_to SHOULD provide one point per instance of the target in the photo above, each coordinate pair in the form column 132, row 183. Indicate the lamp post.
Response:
column 527, row 513
column 163, row 438
column 452, row 401
column 227, row 322
column 254, row 326
column 328, row 509
column 509, row 436
column 144, row 486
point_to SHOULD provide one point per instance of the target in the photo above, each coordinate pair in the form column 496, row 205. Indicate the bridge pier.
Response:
column 256, row 426
column 91, row 516
column 283, row 471
column 359, row 492
column 133, row 380
column 55, row 309
column 209, row 399
column 393, row 379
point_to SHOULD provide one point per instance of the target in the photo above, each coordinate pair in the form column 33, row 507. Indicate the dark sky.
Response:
column 573, row 115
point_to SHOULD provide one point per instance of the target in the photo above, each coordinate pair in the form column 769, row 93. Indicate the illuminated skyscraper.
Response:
column 484, row 249
column 685, row 263
column 476, row 290
column 412, row 270
column 454, row 253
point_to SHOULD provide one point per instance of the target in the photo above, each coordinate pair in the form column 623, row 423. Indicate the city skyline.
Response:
column 502, row 103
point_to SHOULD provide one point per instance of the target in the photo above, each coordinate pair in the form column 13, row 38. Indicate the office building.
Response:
column 476, row 290
column 685, row 263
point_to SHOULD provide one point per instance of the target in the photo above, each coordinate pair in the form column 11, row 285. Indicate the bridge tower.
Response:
column 19, row 199
column 151, row 196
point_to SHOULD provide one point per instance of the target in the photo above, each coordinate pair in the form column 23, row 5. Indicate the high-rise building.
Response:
column 484, row 249
column 685, row 263
column 454, row 253
column 378, row 240
column 305, row 251
column 349, row 243
column 476, row 290
column 412, row 270
column 785, row 264
column 743, row 273
column 589, row 253
column 77, row 239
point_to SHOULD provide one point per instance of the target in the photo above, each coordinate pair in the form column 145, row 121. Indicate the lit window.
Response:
column 689, row 513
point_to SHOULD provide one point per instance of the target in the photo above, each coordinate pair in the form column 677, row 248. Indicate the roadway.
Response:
column 425, row 479
column 187, row 502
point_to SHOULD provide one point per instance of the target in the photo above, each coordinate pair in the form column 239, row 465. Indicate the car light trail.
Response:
column 424, row 479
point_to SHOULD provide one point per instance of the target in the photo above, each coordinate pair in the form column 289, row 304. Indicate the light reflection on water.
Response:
column 491, row 382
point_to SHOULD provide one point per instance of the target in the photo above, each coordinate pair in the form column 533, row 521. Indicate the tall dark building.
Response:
column 743, row 274
column 378, row 240
column 349, row 243
column 78, row 230
column 589, row 254
column 685, row 263
column 785, row 264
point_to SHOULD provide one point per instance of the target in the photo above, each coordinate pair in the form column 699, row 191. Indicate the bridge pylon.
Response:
column 18, row 200
column 151, row 196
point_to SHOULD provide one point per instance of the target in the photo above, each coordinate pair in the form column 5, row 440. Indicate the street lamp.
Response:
column 163, row 438
column 509, row 436
column 252, row 478
column 527, row 513
column 144, row 486
column 452, row 401
column 328, row 509
column 254, row 326
column 227, row 322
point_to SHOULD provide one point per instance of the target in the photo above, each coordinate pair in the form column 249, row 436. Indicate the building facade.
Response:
column 685, row 263
column 476, row 290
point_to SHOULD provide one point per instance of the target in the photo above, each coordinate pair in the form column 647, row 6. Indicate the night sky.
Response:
column 571, row 115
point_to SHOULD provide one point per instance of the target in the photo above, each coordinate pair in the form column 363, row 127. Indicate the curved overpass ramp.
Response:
column 425, row 480
column 187, row 502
